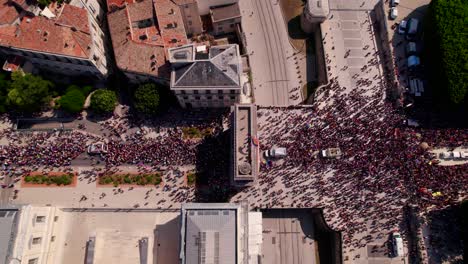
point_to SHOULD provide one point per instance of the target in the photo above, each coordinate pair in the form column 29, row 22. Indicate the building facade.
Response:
column 33, row 233
column 206, row 76
column 65, row 39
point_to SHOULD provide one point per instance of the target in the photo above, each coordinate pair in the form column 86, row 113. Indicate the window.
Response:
column 40, row 219
column 195, row 91
column 220, row 97
column 190, row 22
column 232, row 91
column 208, row 92
column 232, row 25
column 185, row 97
column 209, row 97
column 197, row 97
column 232, row 97
column 33, row 261
column 182, row 92
column 52, row 239
column 220, row 28
column 55, row 218
column 36, row 240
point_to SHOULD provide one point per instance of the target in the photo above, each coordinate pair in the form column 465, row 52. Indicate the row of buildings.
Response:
column 147, row 40
column 223, row 233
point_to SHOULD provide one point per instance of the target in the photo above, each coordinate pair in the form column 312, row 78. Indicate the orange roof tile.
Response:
column 72, row 16
column 143, row 50
column 51, row 35
column 135, row 55
column 171, row 23
column 8, row 12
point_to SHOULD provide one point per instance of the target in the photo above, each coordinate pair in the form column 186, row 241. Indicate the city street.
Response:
column 272, row 58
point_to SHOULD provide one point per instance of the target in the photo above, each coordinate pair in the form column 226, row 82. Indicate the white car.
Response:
column 393, row 13
column 397, row 244
column 394, row 3
column 276, row 152
column 97, row 148
column 402, row 27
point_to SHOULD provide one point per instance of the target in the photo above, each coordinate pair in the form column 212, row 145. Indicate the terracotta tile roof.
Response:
column 51, row 35
column 144, row 50
column 13, row 63
column 72, row 16
column 184, row 2
column 117, row 3
column 135, row 55
column 8, row 12
column 140, row 10
column 171, row 23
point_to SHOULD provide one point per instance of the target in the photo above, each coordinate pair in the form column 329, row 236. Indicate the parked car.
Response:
column 397, row 244
column 402, row 27
column 393, row 13
column 276, row 152
column 416, row 86
column 394, row 3
column 411, row 123
column 412, row 29
column 413, row 61
column 331, row 153
column 411, row 48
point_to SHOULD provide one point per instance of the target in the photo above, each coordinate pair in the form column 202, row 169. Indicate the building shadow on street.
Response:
column 212, row 160
column 166, row 242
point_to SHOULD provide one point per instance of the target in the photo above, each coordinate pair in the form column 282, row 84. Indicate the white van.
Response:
column 397, row 243
column 393, row 13
column 276, row 152
column 412, row 29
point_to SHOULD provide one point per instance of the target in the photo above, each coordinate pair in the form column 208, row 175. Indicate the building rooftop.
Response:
column 318, row 8
column 13, row 63
column 8, row 12
column 219, row 67
column 245, row 156
column 66, row 34
column 210, row 233
column 171, row 23
column 140, row 40
column 225, row 12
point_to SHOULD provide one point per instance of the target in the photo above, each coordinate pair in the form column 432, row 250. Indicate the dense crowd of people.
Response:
column 383, row 166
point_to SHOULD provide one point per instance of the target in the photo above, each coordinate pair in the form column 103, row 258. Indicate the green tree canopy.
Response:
column 103, row 101
column 73, row 100
column 448, row 26
column 147, row 98
column 28, row 93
